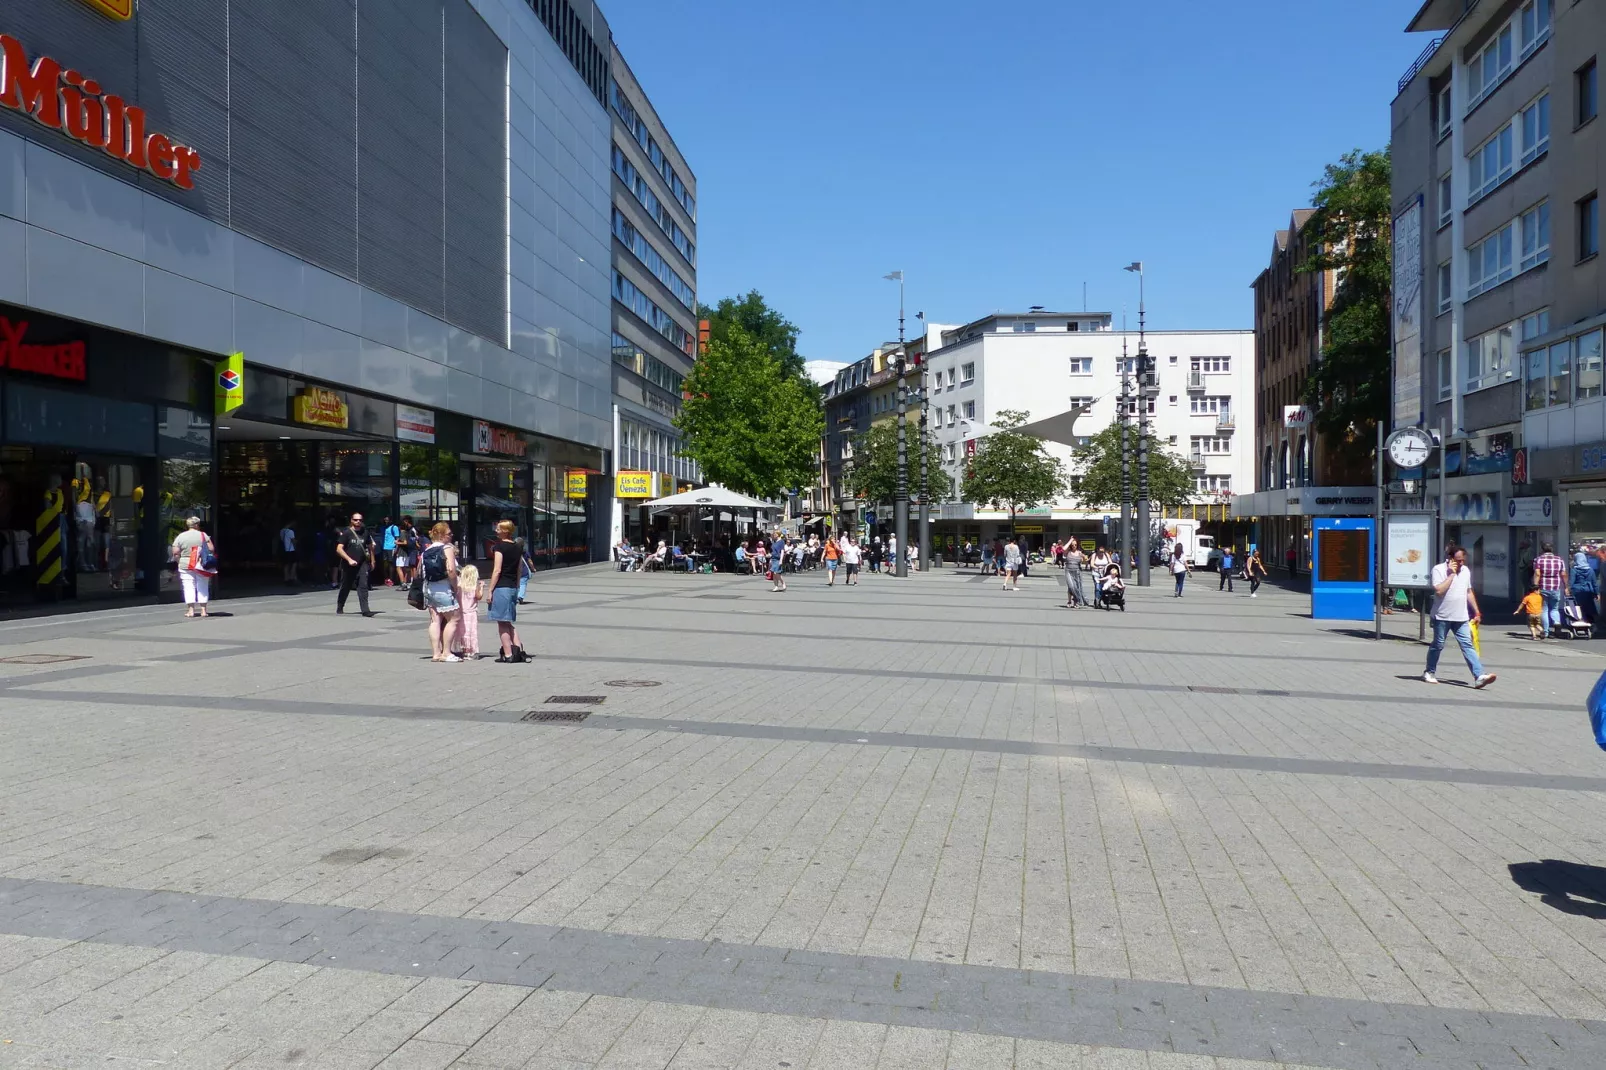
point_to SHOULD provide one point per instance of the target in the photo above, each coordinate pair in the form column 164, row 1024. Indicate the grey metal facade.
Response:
column 408, row 197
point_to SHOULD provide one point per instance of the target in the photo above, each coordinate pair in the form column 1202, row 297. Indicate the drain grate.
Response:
column 42, row 659
column 1214, row 690
column 542, row 716
column 632, row 683
column 576, row 700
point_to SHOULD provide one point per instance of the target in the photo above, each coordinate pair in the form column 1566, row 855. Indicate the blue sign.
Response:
column 869, row 518
column 1343, row 573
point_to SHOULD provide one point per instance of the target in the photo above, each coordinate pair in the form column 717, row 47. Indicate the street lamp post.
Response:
column 1147, row 389
column 925, row 473
column 1124, row 532
column 900, row 499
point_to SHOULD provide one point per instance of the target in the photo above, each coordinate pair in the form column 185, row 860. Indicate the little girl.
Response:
column 470, row 592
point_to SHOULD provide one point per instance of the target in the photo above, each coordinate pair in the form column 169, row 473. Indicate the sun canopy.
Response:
column 1052, row 429
column 709, row 498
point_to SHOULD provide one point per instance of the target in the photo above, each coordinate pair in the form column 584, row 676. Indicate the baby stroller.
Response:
column 1572, row 618
column 1111, row 597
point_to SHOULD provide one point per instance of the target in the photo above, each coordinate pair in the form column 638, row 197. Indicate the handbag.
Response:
column 415, row 594
column 770, row 575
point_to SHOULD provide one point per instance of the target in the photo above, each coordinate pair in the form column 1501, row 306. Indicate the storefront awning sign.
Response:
column 322, row 408
column 574, row 485
column 415, row 424
column 63, row 360
column 633, row 485
column 490, row 439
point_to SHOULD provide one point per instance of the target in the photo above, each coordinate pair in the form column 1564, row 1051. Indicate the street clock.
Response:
column 1409, row 447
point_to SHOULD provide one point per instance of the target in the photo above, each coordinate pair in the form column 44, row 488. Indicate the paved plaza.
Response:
column 915, row 824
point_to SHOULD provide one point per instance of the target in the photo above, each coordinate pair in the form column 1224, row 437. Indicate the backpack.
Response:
column 435, row 564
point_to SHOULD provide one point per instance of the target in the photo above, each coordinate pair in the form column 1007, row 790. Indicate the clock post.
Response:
column 1411, row 538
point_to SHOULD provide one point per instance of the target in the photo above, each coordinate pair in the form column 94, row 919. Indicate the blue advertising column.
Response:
column 1343, row 568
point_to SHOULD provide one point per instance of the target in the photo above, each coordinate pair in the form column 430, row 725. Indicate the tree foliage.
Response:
column 751, row 426
column 761, row 323
column 1352, row 232
column 1012, row 470
column 1098, row 469
column 873, row 474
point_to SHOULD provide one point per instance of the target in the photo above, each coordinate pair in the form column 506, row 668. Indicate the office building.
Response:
column 653, row 216
column 1499, row 302
column 400, row 220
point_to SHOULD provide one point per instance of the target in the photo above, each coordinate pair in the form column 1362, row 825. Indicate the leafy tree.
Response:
column 873, row 473
column 750, row 426
column 1352, row 232
column 1098, row 470
column 762, row 324
column 1012, row 470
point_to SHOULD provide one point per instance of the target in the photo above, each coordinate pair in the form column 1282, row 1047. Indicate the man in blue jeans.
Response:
column 1455, row 609
column 1550, row 573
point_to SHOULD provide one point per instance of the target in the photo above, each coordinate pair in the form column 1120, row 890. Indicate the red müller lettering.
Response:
column 72, row 103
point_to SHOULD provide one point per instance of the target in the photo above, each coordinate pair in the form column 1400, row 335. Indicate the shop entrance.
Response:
column 70, row 525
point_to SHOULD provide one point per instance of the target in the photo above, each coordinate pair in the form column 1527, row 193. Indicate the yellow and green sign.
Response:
column 229, row 391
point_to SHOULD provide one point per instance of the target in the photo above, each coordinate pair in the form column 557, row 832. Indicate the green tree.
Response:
column 873, row 474
column 750, row 426
column 1011, row 470
column 1352, row 232
column 1098, row 471
column 761, row 323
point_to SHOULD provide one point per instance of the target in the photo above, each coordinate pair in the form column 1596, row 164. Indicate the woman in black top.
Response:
column 506, row 557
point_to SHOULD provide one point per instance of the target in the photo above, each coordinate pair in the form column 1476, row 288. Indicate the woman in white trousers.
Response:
column 197, row 584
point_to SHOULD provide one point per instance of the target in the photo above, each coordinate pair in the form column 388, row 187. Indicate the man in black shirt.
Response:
column 354, row 548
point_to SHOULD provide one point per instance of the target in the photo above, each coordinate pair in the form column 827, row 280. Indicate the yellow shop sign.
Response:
column 321, row 408
column 633, row 485
column 574, row 485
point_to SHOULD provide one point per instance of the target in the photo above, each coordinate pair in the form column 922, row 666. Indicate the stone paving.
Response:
column 917, row 823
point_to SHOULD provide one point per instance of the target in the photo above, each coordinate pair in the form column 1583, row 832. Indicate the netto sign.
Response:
column 65, row 100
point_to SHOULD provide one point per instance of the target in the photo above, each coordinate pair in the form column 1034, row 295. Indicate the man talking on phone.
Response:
column 1455, row 609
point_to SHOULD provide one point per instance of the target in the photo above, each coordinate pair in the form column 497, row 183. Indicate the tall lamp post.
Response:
column 900, row 498
column 925, row 473
column 1123, row 535
column 1147, row 390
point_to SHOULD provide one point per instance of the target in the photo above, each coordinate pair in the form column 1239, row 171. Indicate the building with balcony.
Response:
column 1500, row 297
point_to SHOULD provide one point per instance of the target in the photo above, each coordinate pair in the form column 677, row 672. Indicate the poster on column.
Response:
column 1408, row 315
column 1408, row 555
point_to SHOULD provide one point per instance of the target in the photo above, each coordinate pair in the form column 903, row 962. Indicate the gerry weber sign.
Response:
column 66, row 100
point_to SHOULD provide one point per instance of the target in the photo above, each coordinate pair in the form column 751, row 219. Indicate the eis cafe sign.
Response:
column 74, row 104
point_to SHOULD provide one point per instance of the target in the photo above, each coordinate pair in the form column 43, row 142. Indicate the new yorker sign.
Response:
column 66, row 100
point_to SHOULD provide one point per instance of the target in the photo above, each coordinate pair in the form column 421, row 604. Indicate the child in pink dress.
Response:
column 470, row 592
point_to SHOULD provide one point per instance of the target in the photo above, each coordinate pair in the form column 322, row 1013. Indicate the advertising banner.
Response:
column 414, row 424
column 574, row 485
column 230, row 385
column 1408, row 315
column 1408, row 555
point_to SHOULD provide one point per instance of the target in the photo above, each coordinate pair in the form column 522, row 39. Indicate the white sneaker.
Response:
column 452, row 658
column 1484, row 681
column 1252, row 594
column 1429, row 678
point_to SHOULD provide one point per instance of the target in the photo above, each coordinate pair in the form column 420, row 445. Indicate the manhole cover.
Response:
column 572, row 716
column 632, row 683
column 42, row 659
column 1214, row 690
column 576, row 700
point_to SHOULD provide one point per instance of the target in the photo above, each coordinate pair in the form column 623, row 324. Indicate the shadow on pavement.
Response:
column 1570, row 887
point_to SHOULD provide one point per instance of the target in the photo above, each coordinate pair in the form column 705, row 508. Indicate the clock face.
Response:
column 1410, row 447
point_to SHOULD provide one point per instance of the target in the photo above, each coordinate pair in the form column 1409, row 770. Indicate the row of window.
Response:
column 1204, row 444
column 954, row 414
column 1496, row 160
column 626, row 232
column 1491, row 357
column 1523, row 34
column 626, row 293
column 648, row 367
column 1206, row 484
column 646, row 448
column 649, row 200
column 638, row 130
column 1202, row 365
column 1561, row 373
column 1205, row 406
column 1524, row 241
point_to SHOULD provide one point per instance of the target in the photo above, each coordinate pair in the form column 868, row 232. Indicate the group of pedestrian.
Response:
column 452, row 592
column 836, row 554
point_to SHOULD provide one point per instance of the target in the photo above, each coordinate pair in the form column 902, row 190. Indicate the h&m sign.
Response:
column 73, row 103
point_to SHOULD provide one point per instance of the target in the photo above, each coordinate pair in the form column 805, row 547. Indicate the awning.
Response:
column 709, row 498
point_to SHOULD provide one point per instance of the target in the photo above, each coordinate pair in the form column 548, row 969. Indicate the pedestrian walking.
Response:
column 195, row 556
column 988, row 559
column 1012, row 560
column 850, row 560
column 1179, row 568
column 287, row 551
column 406, row 552
column 1550, row 576
column 389, row 534
column 1292, row 557
column 1585, row 586
column 1228, row 561
column 438, row 564
column 833, row 557
column 777, row 563
column 354, row 548
column 1072, row 558
column 891, row 563
column 507, row 571
column 470, row 593
column 1532, row 606
column 1256, row 571
column 1455, row 610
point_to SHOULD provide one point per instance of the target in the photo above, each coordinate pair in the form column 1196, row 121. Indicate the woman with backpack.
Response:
column 438, row 567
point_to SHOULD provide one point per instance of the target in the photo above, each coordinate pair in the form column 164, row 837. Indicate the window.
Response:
column 1559, row 380
column 967, row 373
column 1446, row 205
column 1171, row 440
column 1445, row 297
column 1489, row 68
column 1024, row 326
column 1534, row 22
column 1074, row 325
column 950, row 378
column 1173, row 399
column 1489, row 165
column 953, row 415
column 1491, row 358
column 1588, row 351
column 1535, row 129
column 1442, row 111
column 1489, row 261
column 1535, row 324
column 938, row 421
column 1588, row 227
column 948, row 452
column 970, row 410
column 1211, row 364
column 1132, row 407
column 1446, row 386
column 1584, row 87
column 638, row 245
column 1209, row 444
column 1533, row 364
column 1081, row 365
column 637, row 185
column 1173, row 359
column 625, row 292
column 1207, row 484
column 1535, row 228
column 1209, row 406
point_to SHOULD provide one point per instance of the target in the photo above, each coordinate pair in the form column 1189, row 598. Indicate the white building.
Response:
column 1044, row 363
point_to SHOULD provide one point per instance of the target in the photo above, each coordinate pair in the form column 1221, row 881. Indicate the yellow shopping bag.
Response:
column 1477, row 645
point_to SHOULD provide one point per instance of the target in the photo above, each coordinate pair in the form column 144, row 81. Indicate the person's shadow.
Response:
column 1570, row 887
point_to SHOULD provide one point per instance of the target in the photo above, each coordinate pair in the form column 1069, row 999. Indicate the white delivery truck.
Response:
column 1199, row 550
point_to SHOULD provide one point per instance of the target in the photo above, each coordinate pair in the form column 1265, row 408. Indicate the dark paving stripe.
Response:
column 1066, row 1008
column 1089, row 752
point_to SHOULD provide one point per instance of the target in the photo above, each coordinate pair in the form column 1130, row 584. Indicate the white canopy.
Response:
column 1052, row 429
column 709, row 498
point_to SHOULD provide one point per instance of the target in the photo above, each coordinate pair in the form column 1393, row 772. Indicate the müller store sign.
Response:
column 73, row 103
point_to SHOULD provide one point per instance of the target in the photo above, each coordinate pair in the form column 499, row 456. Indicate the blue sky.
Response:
column 1004, row 153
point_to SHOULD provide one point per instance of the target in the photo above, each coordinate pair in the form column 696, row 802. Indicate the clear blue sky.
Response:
column 1003, row 153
